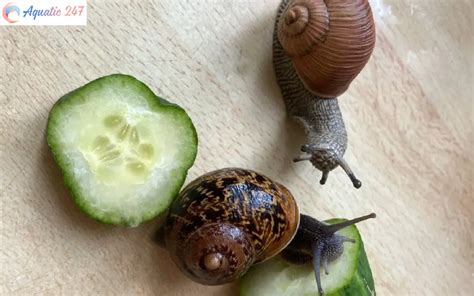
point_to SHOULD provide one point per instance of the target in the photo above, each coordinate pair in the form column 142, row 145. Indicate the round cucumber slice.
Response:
column 349, row 274
column 123, row 151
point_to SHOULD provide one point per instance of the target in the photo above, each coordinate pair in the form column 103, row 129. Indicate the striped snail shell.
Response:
column 329, row 42
column 227, row 220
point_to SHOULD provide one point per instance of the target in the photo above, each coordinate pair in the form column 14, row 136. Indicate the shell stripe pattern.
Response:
column 242, row 198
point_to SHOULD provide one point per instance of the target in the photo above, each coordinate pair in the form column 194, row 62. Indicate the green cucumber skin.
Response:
column 156, row 103
column 363, row 277
column 361, row 284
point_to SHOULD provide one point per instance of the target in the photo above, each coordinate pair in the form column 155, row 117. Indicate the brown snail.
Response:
column 228, row 219
column 319, row 47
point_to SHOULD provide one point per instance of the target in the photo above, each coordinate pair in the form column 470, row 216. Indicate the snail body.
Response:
column 229, row 219
column 319, row 47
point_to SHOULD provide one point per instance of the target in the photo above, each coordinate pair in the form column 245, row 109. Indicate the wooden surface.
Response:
column 409, row 119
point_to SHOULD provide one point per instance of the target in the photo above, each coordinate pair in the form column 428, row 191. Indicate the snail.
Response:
column 319, row 47
column 229, row 219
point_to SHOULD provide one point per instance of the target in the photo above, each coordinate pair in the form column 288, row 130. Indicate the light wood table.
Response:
column 409, row 119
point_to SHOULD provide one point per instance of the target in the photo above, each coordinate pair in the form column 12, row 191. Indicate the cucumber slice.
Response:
column 123, row 151
column 349, row 274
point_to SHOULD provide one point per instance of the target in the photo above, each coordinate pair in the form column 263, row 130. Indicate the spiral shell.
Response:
column 329, row 42
column 225, row 221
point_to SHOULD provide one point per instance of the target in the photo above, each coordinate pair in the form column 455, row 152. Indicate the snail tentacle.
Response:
column 333, row 228
column 324, row 177
column 318, row 249
column 343, row 164
column 325, row 265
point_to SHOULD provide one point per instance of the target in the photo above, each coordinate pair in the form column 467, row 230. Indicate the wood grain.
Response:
column 409, row 119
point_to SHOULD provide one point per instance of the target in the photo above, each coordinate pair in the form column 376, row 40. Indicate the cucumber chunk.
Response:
column 123, row 151
column 349, row 274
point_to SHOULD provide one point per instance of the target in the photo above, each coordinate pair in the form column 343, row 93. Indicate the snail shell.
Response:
column 329, row 42
column 227, row 220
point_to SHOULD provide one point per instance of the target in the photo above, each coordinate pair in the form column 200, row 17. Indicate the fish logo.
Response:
column 11, row 13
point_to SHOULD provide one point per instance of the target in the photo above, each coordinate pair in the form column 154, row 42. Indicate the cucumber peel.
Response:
column 350, row 274
column 124, row 152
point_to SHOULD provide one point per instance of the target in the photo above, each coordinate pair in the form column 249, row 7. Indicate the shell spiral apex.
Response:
column 329, row 41
column 304, row 25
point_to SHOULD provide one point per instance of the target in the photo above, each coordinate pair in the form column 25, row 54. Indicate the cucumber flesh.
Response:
column 123, row 151
column 349, row 274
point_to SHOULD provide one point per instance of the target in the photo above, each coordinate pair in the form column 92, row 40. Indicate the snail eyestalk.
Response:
column 324, row 177
column 343, row 164
column 333, row 228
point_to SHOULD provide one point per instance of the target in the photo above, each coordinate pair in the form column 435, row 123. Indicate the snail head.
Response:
column 319, row 243
column 325, row 158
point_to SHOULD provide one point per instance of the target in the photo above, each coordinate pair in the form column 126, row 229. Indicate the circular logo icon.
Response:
column 11, row 12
